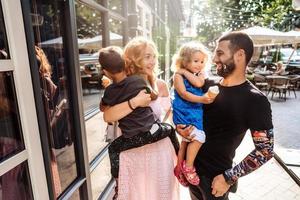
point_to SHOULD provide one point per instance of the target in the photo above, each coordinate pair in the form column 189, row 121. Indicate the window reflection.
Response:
column 115, row 6
column 116, row 32
column 89, row 42
column 55, row 90
column 4, row 52
column 15, row 184
column 11, row 141
column 100, row 177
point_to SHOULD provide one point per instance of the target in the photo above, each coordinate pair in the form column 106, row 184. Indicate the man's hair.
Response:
column 110, row 59
column 239, row 40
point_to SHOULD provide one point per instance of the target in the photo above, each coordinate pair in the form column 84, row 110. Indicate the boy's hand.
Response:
column 141, row 100
column 105, row 82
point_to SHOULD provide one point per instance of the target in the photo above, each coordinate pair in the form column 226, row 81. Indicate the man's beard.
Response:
column 226, row 68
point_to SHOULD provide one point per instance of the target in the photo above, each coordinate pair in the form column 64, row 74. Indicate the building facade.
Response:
column 52, row 134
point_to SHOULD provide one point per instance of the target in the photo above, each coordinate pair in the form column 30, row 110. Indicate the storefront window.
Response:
column 53, row 68
column 116, row 32
column 140, row 16
column 4, row 51
column 100, row 177
column 89, row 42
column 115, row 6
column 11, row 140
column 15, row 184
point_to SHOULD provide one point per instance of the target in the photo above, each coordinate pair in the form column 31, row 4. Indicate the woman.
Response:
column 152, row 176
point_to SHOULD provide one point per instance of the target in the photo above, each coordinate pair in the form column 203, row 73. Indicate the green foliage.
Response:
column 217, row 16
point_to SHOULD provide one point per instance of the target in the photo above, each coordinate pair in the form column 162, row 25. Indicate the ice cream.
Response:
column 213, row 91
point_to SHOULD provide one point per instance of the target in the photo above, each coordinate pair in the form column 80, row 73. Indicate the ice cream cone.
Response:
column 213, row 91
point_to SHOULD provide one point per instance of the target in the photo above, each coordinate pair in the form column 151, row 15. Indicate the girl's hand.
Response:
column 207, row 99
column 141, row 100
column 181, row 71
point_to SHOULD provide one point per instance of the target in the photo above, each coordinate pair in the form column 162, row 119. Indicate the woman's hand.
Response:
column 141, row 100
column 185, row 131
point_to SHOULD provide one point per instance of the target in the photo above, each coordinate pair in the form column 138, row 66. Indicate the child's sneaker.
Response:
column 179, row 175
column 190, row 174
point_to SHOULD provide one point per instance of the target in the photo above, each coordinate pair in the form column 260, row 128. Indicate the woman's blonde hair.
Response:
column 45, row 67
column 184, row 55
column 134, row 53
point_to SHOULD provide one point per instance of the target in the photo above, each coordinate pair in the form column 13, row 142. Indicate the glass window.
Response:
column 11, row 140
column 95, row 130
column 140, row 16
column 75, row 195
column 89, row 42
column 55, row 90
column 116, row 32
column 4, row 51
column 15, row 184
column 100, row 177
column 115, row 6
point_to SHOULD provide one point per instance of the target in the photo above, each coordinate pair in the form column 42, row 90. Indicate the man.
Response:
column 238, row 107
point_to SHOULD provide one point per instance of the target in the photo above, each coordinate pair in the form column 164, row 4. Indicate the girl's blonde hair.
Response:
column 134, row 53
column 184, row 55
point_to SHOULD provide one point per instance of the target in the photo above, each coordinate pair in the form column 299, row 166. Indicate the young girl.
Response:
column 187, row 106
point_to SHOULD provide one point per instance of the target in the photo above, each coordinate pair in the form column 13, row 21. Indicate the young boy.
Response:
column 139, row 127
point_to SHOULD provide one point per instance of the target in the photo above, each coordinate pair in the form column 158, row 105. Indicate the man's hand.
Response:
column 219, row 186
column 141, row 100
column 185, row 131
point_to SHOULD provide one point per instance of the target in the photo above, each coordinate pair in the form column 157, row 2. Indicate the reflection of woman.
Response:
column 49, row 92
column 152, row 176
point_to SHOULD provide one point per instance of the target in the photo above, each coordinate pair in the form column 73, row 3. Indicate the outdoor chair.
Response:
column 294, row 84
column 279, row 84
column 260, row 82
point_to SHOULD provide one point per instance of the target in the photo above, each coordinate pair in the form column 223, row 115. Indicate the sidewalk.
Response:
column 270, row 182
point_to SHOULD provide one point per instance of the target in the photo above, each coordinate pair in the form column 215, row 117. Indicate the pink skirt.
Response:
column 146, row 173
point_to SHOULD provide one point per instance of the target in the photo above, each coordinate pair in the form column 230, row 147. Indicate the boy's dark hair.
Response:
column 110, row 59
column 239, row 40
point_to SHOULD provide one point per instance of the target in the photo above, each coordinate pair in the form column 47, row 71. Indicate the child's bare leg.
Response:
column 192, row 150
column 181, row 152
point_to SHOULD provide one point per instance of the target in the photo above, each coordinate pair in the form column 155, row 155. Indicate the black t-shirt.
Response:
column 235, row 110
column 141, row 119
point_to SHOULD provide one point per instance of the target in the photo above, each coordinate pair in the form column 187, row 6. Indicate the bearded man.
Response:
column 239, row 107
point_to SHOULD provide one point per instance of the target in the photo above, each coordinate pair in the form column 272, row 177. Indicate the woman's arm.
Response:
column 162, row 88
column 196, row 81
column 181, row 90
column 116, row 112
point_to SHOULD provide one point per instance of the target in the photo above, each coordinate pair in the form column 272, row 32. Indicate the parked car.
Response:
column 91, row 75
column 293, row 66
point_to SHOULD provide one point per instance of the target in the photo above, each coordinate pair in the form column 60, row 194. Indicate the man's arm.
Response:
column 263, row 142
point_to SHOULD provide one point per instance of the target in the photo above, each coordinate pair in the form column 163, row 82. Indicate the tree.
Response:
column 215, row 16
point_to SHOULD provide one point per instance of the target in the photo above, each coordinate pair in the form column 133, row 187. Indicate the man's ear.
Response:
column 240, row 55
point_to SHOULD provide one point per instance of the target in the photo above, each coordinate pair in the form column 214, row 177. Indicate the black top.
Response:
column 235, row 110
column 138, row 121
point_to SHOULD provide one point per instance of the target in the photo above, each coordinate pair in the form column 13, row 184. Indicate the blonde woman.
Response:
column 145, row 172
